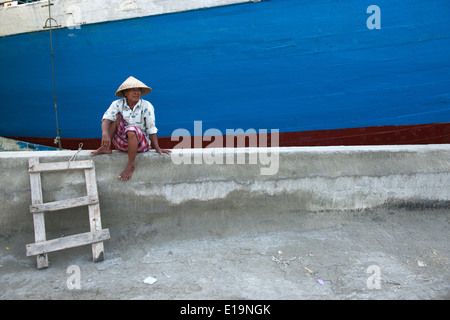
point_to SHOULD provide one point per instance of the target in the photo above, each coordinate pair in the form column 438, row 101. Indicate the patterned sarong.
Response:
column 120, row 139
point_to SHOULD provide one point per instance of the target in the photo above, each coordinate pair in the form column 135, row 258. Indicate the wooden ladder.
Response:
column 95, row 237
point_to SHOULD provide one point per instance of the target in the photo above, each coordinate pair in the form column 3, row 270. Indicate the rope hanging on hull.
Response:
column 49, row 20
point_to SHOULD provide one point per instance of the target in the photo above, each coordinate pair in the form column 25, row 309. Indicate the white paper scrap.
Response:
column 150, row 280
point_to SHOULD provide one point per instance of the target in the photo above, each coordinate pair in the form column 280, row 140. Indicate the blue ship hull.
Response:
column 306, row 68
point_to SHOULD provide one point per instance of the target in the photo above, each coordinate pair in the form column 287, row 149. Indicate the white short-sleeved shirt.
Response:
column 142, row 115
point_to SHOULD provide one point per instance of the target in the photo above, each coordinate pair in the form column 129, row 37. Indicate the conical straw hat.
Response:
column 130, row 83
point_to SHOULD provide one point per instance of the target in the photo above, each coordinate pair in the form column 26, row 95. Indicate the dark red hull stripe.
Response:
column 435, row 133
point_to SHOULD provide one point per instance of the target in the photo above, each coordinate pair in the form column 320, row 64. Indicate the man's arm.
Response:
column 106, row 133
column 154, row 141
column 109, row 120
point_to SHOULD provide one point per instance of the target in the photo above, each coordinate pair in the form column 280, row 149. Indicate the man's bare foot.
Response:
column 100, row 151
column 128, row 172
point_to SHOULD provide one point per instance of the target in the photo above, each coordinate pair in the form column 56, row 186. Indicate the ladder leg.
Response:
column 39, row 236
column 94, row 213
column 38, row 218
column 98, row 252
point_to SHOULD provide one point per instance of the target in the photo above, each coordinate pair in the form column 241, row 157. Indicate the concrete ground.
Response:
column 369, row 254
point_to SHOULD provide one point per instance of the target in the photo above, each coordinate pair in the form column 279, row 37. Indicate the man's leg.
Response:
column 132, row 151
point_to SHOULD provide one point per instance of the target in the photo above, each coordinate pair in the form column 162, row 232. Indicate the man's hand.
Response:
column 161, row 151
column 154, row 143
column 106, row 141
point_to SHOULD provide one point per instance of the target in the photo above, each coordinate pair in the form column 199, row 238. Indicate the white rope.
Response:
column 80, row 147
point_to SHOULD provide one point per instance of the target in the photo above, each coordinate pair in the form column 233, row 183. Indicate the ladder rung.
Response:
column 59, row 166
column 63, row 204
column 67, row 242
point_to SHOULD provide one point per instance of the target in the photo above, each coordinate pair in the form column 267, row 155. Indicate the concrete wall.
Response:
column 162, row 193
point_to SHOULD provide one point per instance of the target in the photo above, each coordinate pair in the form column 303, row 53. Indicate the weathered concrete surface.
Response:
column 309, row 179
column 210, row 231
column 244, row 256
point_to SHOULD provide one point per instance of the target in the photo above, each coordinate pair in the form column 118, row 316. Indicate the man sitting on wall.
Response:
column 129, row 123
